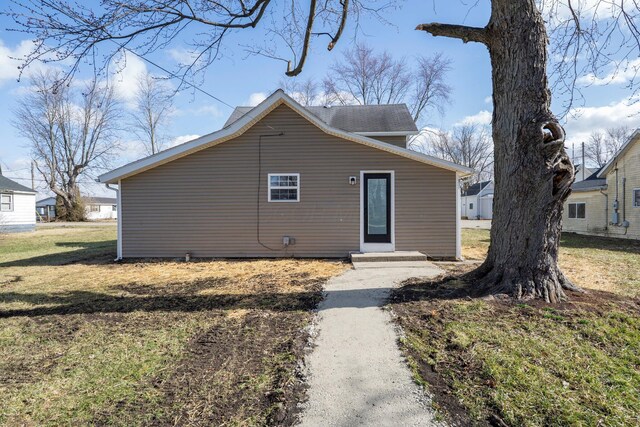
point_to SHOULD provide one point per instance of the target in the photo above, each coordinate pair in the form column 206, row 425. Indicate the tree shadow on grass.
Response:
column 580, row 241
column 86, row 252
column 179, row 297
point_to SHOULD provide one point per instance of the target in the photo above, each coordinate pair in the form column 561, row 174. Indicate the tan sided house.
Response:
column 281, row 180
column 607, row 203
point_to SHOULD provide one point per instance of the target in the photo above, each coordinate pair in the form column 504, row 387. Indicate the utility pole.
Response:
column 33, row 181
column 583, row 166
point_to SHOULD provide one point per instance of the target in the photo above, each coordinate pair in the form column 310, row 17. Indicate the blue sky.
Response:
column 239, row 78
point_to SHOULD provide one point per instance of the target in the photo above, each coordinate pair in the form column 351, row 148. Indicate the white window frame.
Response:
column 634, row 198
column 11, row 202
column 576, row 217
column 94, row 208
column 297, row 188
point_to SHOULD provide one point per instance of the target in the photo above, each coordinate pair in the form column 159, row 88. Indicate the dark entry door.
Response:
column 377, row 207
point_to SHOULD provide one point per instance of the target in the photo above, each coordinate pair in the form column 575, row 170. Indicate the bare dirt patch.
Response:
column 84, row 340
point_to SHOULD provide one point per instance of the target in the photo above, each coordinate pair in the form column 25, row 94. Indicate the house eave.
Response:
column 241, row 125
column 586, row 190
column 394, row 133
column 607, row 167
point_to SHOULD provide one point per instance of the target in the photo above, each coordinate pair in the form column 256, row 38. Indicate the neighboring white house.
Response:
column 96, row 208
column 17, row 204
column 477, row 201
column 101, row 208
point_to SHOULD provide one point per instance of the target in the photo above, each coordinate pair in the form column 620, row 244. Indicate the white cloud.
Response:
column 621, row 73
column 256, row 98
column 585, row 9
column 481, row 118
column 582, row 121
column 128, row 70
column 12, row 58
column 488, row 100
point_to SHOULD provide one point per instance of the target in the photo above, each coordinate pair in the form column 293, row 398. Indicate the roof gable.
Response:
column 8, row 185
column 476, row 188
column 633, row 139
column 364, row 119
column 249, row 119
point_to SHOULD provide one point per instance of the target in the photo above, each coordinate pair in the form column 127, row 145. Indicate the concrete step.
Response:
column 388, row 256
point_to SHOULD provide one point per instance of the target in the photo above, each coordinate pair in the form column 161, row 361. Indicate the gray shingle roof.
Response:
column 7, row 185
column 355, row 118
column 475, row 188
column 100, row 200
column 590, row 183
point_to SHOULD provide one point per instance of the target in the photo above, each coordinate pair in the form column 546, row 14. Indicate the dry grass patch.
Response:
column 84, row 340
column 599, row 263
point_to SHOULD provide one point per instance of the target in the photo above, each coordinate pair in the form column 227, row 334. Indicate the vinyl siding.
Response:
column 206, row 203
column 23, row 215
column 595, row 207
column 400, row 141
column 598, row 215
column 628, row 167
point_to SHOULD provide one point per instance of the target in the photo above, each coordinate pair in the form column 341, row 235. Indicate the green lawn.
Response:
column 84, row 340
column 533, row 364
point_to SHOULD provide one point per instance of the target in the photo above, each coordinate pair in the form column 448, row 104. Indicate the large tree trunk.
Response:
column 533, row 172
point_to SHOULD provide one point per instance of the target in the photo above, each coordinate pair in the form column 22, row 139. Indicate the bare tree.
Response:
column 306, row 92
column 71, row 131
column 153, row 107
column 533, row 173
column 468, row 145
column 364, row 77
column 602, row 146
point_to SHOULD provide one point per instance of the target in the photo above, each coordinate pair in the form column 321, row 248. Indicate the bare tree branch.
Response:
column 462, row 32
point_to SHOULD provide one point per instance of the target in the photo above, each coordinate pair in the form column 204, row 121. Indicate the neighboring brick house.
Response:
column 607, row 203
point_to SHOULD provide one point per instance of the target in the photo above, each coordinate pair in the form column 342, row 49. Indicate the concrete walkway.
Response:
column 357, row 375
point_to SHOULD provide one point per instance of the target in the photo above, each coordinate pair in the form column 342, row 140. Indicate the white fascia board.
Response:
column 393, row 133
column 607, row 168
column 19, row 192
column 241, row 125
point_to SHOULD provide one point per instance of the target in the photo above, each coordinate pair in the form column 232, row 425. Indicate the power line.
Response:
column 174, row 75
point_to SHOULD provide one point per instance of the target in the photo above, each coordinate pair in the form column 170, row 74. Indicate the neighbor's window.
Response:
column 94, row 208
column 6, row 202
column 470, row 205
column 577, row 210
column 284, row 187
column 114, row 208
column 636, row 197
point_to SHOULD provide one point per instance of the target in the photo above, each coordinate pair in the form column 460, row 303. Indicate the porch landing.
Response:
column 399, row 256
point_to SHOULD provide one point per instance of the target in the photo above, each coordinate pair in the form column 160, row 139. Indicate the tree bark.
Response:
column 533, row 173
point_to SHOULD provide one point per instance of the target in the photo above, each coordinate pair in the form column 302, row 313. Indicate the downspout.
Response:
column 119, row 222
column 606, row 209
column 625, row 224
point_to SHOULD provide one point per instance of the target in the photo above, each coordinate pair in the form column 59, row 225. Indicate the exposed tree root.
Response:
column 549, row 285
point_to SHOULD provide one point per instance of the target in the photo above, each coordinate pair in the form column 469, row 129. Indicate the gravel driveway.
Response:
column 357, row 375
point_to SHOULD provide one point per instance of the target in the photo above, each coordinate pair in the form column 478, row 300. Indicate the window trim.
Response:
column 576, row 217
column 269, row 188
column 11, row 202
column 94, row 208
column 633, row 197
